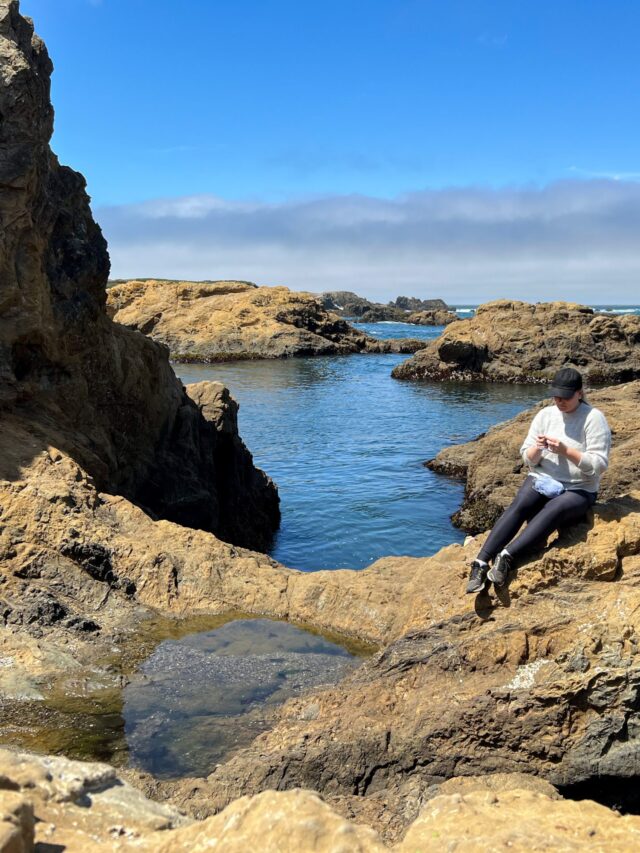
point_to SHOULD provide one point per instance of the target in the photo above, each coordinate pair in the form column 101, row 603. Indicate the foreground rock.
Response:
column 219, row 321
column 103, row 394
column 77, row 806
column 542, row 680
column 492, row 469
column 517, row 342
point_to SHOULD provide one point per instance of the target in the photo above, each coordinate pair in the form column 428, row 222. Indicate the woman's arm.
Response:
column 531, row 450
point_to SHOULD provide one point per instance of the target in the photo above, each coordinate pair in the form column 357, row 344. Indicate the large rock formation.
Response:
column 223, row 320
column 493, row 470
column 107, row 394
column 545, row 685
column 77, row 806
column 516, row 342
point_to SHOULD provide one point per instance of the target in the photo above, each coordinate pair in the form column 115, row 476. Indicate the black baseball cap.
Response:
column 565, row 383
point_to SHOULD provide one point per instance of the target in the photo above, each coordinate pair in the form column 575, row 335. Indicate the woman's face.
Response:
column 568, row 404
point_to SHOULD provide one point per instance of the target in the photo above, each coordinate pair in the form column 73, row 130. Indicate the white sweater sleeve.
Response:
column 595, row 457
column 536, row 429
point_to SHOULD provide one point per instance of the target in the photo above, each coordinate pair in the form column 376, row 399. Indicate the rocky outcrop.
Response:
column 542, row 680
column 51, row 803
column 405, row 309
column 412, row 304
column 227, row 320
column 440, row 317
column 107, row 394
column 493, row 471
column 517, row 342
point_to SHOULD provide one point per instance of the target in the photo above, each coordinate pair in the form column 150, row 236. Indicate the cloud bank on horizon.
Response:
column 573, row 240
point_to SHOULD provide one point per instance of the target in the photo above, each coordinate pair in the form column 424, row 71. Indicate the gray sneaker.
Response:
column 477, row 576
column 500, row 569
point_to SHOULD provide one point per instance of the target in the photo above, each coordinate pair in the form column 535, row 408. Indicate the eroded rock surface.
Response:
column 57, row 804
column 218, row 321
column 510, row 341
column 493, row 470
column 103, row 394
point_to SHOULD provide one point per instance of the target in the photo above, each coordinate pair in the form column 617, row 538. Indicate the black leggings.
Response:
column 543, row 515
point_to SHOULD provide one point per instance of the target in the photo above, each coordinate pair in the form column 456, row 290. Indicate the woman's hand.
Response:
column 555, row 445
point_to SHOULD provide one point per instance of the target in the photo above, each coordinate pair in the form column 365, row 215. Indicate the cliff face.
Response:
column 518, row 342
column 109, row 393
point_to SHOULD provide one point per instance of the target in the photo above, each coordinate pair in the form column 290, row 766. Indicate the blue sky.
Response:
column 347, row 106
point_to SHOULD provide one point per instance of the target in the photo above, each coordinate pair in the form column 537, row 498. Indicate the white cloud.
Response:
column 572, row 240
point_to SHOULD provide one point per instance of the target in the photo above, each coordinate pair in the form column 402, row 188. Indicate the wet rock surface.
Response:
column 509, row 341
column 225, row 320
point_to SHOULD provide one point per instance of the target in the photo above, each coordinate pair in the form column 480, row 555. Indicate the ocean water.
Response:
column 346, row 444
column 466, row 311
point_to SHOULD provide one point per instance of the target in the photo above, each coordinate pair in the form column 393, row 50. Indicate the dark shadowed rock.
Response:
column 108, row 394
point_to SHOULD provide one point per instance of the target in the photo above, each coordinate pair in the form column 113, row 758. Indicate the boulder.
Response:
column 510, row 341
column 52, row 803
column 108, row 394
column 493, row 470
column 219, row 321
column 412, row 304
column 440, row 317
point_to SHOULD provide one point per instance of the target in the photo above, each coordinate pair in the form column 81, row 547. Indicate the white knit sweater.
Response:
column 585, row 429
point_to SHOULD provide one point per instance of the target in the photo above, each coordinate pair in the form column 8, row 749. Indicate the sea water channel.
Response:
column 346, row 445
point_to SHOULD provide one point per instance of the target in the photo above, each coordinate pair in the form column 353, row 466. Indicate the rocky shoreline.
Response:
column 509, row 341
column 453, row 732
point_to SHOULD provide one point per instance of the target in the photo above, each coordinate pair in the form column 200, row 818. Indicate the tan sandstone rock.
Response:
column 222, row 320
column 79, row 806
column 518, row 821
column 510, row 341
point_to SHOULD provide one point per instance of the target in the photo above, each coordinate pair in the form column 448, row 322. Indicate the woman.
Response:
column 567, row 451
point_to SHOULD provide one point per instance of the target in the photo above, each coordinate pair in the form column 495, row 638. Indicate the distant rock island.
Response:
column 224, row 320
column 508, row 341
column 405, row 309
